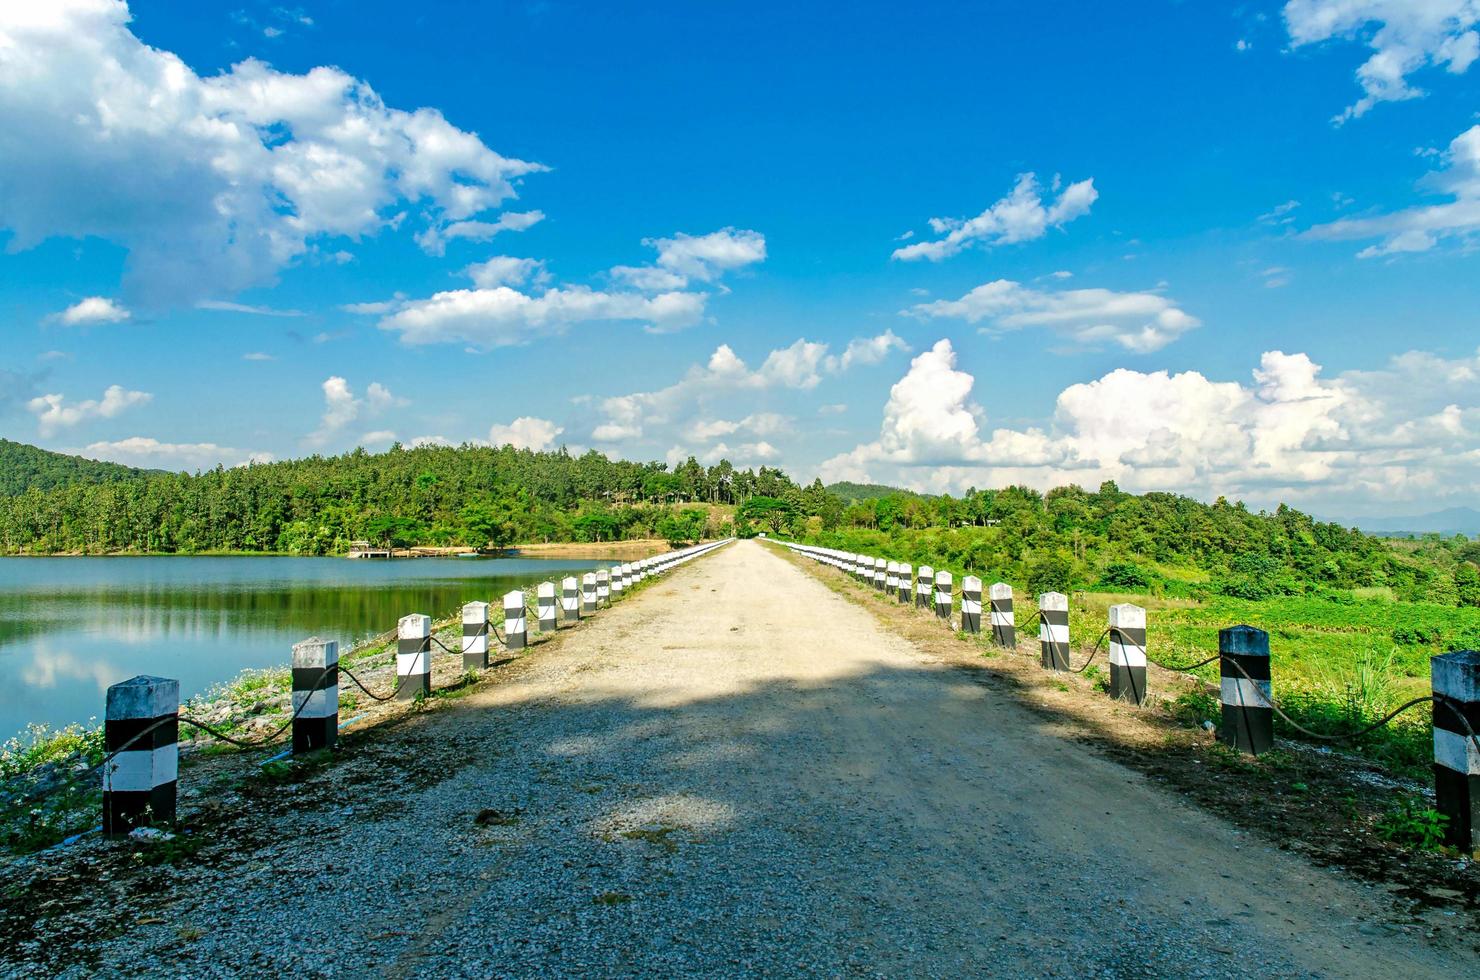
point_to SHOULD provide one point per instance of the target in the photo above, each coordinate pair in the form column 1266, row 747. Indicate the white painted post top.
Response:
column 475, row 612
column 143, row 697
column 569, row 582
column 1127, row 615
column 1054, row 600
column 1001, row 590
column 942, row 578
column 314, row 652
column 972, row 584
column 414, row 626
column 545, row 590
column 513, row 600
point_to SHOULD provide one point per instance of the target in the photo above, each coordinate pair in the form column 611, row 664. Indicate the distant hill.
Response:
column 1450, row 521
column 867, row 491
column 23, row 467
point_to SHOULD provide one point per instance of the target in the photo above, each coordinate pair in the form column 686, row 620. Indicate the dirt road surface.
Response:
column 738, row 772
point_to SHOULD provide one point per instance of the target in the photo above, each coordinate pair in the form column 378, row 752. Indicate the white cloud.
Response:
column 223, row 306
column 496, row 314
column 683, row 413
column 380, row 437
column 1280, row 214
column 257, row 355
column 525, row 432
column 341, row 407
column 230, row 177
column 1138, row 322
column 52, row 411
column 505, row 270
column 500, row 317
column 151, row 453
column 1021, row 216
column 1419, row 229
column 869, row 350
column 1405, row 36
column 93, row 309
column 684, row 259
column 1409, row 431
column 434, row 240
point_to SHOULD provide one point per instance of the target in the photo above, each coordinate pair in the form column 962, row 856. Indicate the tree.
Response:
column 768, row 512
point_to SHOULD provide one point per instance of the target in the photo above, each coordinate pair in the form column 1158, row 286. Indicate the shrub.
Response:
column 1124, row 576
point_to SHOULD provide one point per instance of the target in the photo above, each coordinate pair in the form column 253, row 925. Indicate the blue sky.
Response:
column 1218, row 250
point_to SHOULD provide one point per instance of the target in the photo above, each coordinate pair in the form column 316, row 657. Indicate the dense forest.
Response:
column 491, row 497
column 24, row 467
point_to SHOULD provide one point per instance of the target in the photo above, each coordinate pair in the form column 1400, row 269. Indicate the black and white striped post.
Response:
column 924, row 582
column 906, row 583
column 971, row 604
column 475, row 635
column 141, row 722
column 1456, row 682
column 624, row 580
column 315, row 694
column 1128, row 653
column 603, row 586
column 1004, row 625
column 570, row 599
column 1243, row 666
column 880, row 573
column 516, row 627
column 1053, row 630
column 546, row 608
column 863, row 567
column 943, row 595
column 588, row 594
column 891, row 578
column 413, row 657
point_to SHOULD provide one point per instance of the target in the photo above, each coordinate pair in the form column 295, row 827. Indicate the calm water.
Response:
column 69, row 627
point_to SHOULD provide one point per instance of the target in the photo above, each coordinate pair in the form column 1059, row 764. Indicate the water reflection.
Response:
column 69, row 627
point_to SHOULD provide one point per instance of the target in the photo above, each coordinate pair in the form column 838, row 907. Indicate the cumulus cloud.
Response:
column 86, row 312
column 150, row 453
column 229, row 177
column 702, row 258
column 1407, row 431
column 1405, row 36
column 1418, row 229
column 502, row 311
column 1021, row 216
column 1137, row 322
column 684, row 414
column 505, row 270
column 53, row 412
column 434, row 240
column 525, row 432
column 342, row 406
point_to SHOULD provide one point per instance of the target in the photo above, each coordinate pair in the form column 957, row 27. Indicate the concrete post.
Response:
column 475, row 635
column 603, row 586
column 1456, row 682
column 516, row 629
column 546, row 607
column 1128, row 653
column 880, row 572
column 924, row 582
column 1248, row 718
column 570, row 600
column 316, row 692
column 1004, row 625
column 139, row 783
column 1053, row 630
column 413, row 657
column 906, row 583
column 943, row 595
column 891, row 578
column 588, row 594
column 971, row 604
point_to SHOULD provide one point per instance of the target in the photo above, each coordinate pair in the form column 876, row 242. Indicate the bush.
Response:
column 1050, row 573
column 1413, row 824
column 1124, row 576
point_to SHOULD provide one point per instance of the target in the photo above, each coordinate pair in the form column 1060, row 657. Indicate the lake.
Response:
column 69, row 627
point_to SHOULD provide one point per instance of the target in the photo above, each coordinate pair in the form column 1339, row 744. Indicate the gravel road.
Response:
column 738, row 772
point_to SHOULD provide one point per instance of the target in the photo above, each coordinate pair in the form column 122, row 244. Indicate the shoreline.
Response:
column 635, row 548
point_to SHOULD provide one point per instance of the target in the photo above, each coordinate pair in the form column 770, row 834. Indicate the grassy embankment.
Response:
column 1339, row 661
column 47, row 793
